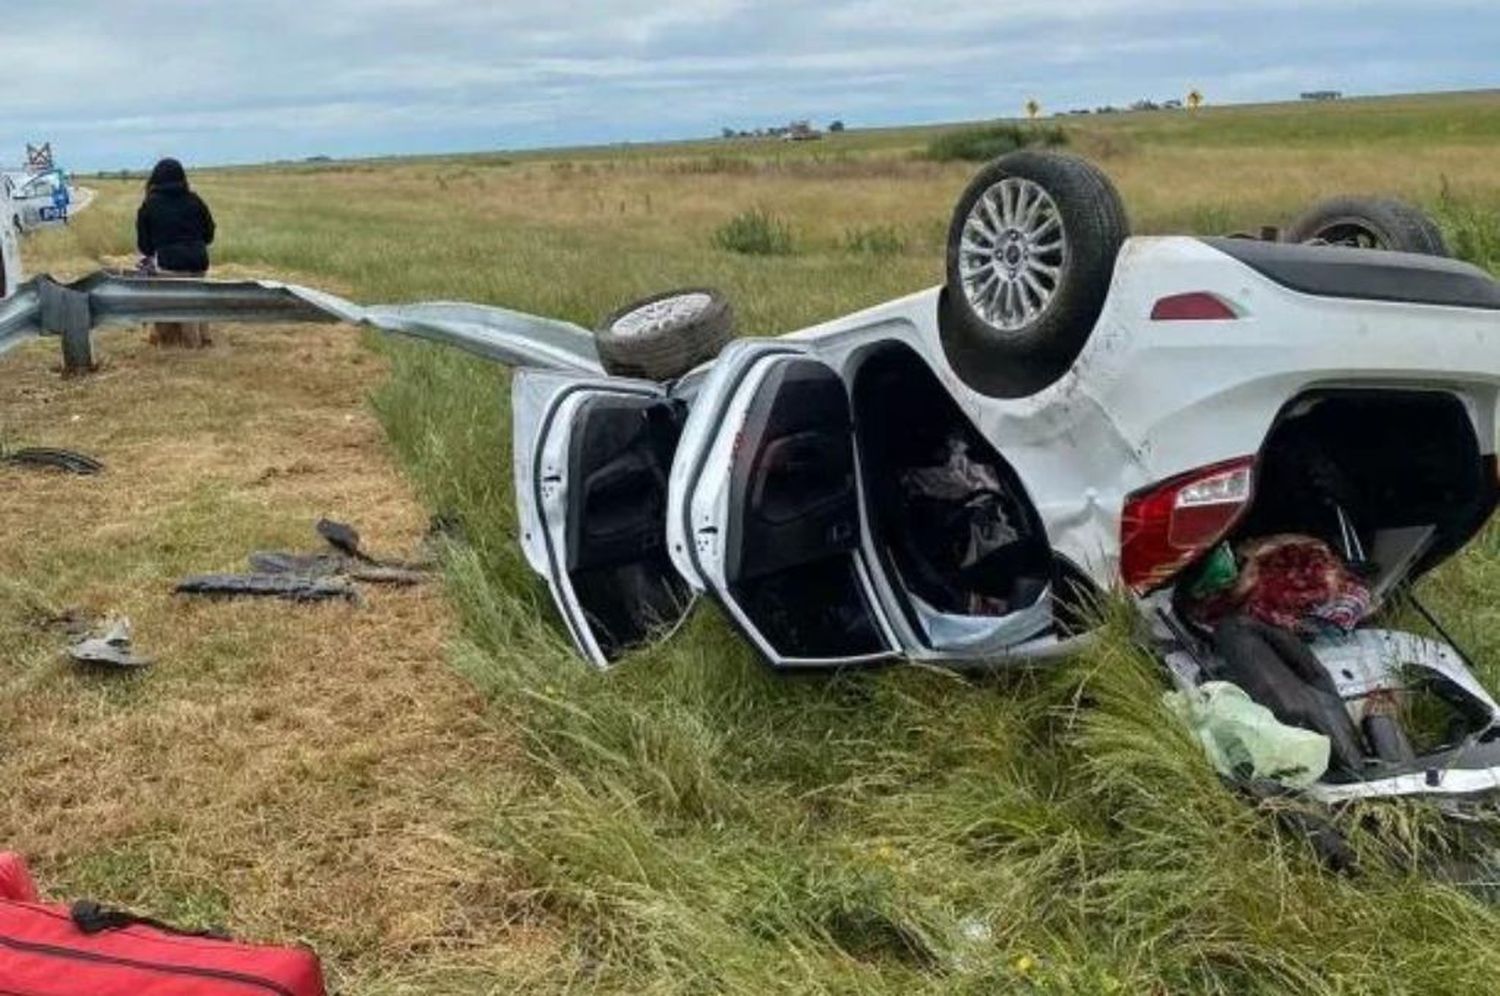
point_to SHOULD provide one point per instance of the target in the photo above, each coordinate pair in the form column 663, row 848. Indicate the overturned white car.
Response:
column 1262, row 442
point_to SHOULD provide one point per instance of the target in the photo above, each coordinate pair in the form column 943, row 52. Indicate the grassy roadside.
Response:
column 689, row 823
column 293, row 773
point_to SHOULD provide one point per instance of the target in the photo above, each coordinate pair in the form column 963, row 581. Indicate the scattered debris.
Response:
column 110, row 650
column 345, row 539
column 54, row 459
column 291, row 587
column 310, row 565
column 310, row 577
column 323, row 565
column 342, row 537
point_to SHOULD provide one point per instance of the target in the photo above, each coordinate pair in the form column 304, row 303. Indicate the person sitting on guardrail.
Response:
column 173, row 230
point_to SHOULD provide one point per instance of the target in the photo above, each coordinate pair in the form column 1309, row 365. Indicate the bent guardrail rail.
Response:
column 42, row 306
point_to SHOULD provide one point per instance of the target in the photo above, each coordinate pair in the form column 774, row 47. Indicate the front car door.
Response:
column 592, row 459
column 766, row 511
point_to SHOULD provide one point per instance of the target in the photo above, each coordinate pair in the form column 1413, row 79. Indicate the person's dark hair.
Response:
column 167, row 173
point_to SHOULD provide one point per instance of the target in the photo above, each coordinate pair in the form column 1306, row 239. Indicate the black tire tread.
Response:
column 1399, row 226
column 1012, row 364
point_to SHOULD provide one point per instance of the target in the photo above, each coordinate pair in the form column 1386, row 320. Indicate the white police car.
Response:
column 37, row 200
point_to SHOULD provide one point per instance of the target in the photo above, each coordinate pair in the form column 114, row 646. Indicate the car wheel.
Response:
column 1031, row 251
column 1369, row 223
column 665, row 335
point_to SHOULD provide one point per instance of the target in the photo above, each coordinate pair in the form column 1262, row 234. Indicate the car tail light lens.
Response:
column 1199, row 306
column 1169, row 525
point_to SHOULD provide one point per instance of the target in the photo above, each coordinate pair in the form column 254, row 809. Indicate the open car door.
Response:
column 770, row 495
column 592, row 459
column 853, row 514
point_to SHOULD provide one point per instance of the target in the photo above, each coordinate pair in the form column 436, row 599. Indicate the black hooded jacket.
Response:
column 174, row 224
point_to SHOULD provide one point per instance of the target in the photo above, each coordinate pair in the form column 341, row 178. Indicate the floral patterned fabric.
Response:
column 1292, row 582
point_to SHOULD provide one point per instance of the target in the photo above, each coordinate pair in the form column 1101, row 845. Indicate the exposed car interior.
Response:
column 619, row 458
column 1393, row 481
column 1402, row 470
column 951, row 521
column 949, row 514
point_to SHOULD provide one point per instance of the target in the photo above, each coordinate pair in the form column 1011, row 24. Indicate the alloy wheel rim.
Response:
column 1012, row 253
column 657, row 315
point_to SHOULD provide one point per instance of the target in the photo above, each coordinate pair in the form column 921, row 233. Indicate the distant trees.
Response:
column 796, row 130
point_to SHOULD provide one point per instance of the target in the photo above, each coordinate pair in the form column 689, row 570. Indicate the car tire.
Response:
column 1369, row 223
column 1031, row 251
column 664, row 336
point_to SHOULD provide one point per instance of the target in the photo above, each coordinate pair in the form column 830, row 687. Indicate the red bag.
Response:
column 89, row 951
column 15, row 879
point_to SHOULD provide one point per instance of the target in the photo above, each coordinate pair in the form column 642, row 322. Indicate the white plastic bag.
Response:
column 1244, row 740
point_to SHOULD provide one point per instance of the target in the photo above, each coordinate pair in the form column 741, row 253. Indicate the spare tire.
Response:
column 1031, row 251
column 1369, row 223
column 664, row 336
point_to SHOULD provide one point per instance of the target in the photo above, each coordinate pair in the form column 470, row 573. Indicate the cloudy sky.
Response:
column 119, row 83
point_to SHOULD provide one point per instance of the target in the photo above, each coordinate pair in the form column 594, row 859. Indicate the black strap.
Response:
column 91, row 918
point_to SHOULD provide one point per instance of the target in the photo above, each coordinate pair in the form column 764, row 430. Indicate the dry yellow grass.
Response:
column 290, row 772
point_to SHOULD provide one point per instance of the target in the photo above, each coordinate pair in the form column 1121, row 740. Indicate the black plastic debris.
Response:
column 289, row 587
column 342, row 537
column 46, row 458
column 358, row 564
column 111, row 650
column 311, row 565
column 327, row 565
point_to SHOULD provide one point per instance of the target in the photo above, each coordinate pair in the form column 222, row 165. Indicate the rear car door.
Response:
column 592, row 459
column 766, row 510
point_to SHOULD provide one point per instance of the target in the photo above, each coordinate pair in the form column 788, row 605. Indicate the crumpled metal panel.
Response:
column 504, row 336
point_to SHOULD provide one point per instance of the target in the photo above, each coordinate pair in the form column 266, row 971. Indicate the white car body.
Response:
column 1153, row 396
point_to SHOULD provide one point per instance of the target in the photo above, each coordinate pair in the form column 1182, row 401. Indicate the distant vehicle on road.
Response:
column 36, row 200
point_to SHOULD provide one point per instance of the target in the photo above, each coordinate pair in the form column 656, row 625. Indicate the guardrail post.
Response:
column 65, row 312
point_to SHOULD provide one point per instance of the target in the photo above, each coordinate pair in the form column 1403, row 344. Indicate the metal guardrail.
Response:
column 20, row 318
column 42, row 306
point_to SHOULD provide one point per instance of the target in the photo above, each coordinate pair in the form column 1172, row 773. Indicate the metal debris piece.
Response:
column 56, row 459
column 326, row 565
column 307, row 565
column 383, row 574
column 110, row 650
column 285, row 586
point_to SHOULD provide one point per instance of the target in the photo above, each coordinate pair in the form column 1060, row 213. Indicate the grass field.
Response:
column 687, row 823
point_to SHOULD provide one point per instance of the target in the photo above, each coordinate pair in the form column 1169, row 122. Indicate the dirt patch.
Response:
column 291, row 772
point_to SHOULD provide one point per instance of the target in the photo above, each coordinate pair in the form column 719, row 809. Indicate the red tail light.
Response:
column 1167, row 526
column 1199, row 306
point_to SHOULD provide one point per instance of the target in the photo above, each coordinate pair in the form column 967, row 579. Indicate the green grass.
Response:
column 691, row 823
column 978, row 145
column 756, row 232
